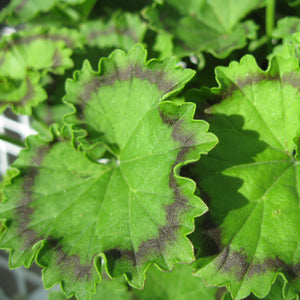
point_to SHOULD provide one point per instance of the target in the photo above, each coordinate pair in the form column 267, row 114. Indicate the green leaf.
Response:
column 134, row 209
column 164, row 44
column 285, row 28
column 294, row 3
column 120, row 31
column 178, row 284
column 46, row 115
column 251, row 180
column 163, row 77
column 18, row 11
column 57, row 295
column 210, row 26
column 22, row 95
column 38, row 49
column 276, row 292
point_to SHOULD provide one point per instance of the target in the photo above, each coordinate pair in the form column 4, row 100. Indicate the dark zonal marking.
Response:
column 292, row 79
column 93, row 34
column 173, row 210
column 136, row 71
column 24, row 211
column 116, row 253
column 57, row 59
column 95, row 83
column 242, row 82
column 21, row 5
column 229, row 261
column 98, row 33
column 72, row 261
column 237, row 262
column 27, row 97
column 294, row 28
column 275, row 264
column 27, row 40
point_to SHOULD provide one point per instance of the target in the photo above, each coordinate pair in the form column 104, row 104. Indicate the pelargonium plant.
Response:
column 166, row 163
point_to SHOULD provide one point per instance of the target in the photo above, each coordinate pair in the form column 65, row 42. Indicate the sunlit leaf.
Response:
column 131, row 207
column 251, row 180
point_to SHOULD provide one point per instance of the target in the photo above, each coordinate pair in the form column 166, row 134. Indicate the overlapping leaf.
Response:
column 121, row 31
column 25, row 57
column 37, row 49
column 21, row 94
column 286, row 27
column 210, row 26
column 276, row 292
column 19, row 11
column 251, row 180
column 176, row 285
column 132, row 210
column 287, row 30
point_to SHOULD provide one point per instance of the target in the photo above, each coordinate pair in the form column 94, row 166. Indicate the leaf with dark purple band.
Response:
column 121, row 31
column 22, row 95
column 251, row 181
column 37, row 49
column 131, row 208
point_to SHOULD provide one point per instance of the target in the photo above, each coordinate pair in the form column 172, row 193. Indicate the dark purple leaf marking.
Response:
column 65, row 261
column 27, row 97
column 43, row 36
column 24, row 211
column 57, row 59
column 243, row 82
column 29, row 94
column 95, row 83
column 94, row 34
column 21, row 5
column 233, row 261
column 173, row 210
column 292, row 79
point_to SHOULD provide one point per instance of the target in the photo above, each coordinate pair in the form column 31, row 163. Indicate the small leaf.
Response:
column 134, row 209
column 210, row 26
column 20, row 11
column 285, row 29
column 37, row 49
column 22, row 95
column 251, row 180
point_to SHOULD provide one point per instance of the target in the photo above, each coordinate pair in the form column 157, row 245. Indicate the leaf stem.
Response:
column 270, row 12
column 12, row 140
